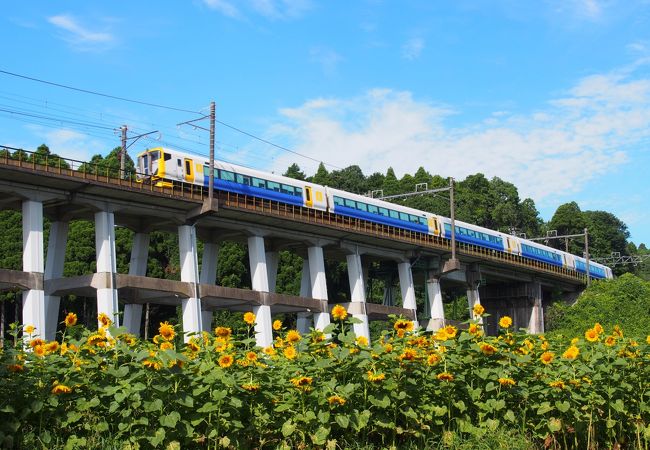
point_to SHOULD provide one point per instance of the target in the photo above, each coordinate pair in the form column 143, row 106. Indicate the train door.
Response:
column 434, row 226
column 309, row 197
column 189, row 170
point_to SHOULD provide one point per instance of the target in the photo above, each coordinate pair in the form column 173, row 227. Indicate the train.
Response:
column 164, row 167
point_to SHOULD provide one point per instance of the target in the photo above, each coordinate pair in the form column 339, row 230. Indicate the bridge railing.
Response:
column 137, row 181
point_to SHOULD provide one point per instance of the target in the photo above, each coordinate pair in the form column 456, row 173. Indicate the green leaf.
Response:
column 554, row 425
column 157, row 438
column 618, row 405
column 562, row 406
column 544, row 408
column 323, row 416
column 343, row 421
column 170, row 419
column 208, row 407
column 510, row 416
column 185, row 400
column 460, row 405
column 329, row 328
column 155, row 405
column 320, row 437
column 37, row 405
column 288, row 428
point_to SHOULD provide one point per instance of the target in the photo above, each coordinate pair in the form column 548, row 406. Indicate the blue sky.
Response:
column 553, row 96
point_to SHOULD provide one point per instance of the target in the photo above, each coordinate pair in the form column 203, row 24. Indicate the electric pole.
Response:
column 123, row 128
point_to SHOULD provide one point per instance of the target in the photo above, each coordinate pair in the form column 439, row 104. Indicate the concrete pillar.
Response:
column 260, row 282
column 434, row 292
column 536, row 321
column 358, row 293
column 137, row 266
column 303, row 324
column 407, row 288
column 54, row 269
column 190, row 274
column 473, row 298
column 318, row 284
column 209, row 276
column 106, row 264
column 33, row 299
column 272, row 261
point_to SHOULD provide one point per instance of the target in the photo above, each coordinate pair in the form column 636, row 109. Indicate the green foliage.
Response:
column 624, row 301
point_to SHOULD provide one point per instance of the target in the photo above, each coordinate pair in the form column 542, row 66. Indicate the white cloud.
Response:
column 224, row 7
column 270, row 9
column 589, row 8
column 327, row 58
column 413, row 48
column 547, row 153
column 80, row 36
column 69, row 143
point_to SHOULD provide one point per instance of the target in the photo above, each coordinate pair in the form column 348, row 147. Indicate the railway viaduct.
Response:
column 505, row 284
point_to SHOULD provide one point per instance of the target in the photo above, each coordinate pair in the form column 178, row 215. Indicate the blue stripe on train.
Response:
column 537, row 257
column 352, row 212
column 254, row 191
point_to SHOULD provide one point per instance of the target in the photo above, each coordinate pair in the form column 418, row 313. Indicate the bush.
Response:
column 624, row 301
column 448, row 390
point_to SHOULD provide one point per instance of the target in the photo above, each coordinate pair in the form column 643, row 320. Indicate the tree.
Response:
column 568, row 219
column 109, row 165
column 322, row 176
column 294, row 172
column 350, row 179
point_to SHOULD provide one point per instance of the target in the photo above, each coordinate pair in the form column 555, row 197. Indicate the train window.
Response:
column 383, row 212
column 362, row 206
column 179, row 162
column 350, row 203
column 167, row 156
column 373, row 209
column 273, row 186
column 404, row 217
column 259, row 183
column 393, row 214
column 286, row 189
column 154, row 156
column 226, row 175
column 413, row 218
column 243, row 179
column 188, row 167
column 423, row 221
column 298, row 192
column 338, row 201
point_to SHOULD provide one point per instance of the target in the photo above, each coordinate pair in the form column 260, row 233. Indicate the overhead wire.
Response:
column 167, row 107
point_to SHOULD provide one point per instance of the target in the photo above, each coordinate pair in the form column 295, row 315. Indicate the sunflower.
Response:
column 95, row 339
column 557, row 384
column 250, row 387
column 249, row 318
column 226, row 361
column 488, row 349
column 52, row 347
column 445, row 376
column 591, row 335
column 475, row 329
column 547, row 357
column 220, row 345
column 193, row 345
column 405, row 325
column 61, row 389
column 433, row 359
column 151, row 364
column 293, row 336
column 277, row 325
column 571, row 352
column 336, row 400
column 478, row 309
column 223, row 332
column 409, row 354
column 647, row 339
column 166, row 346
column 506, row 382
column 388, row 347
column 362, row 341
column 15, row 368
column 166, row 330
column 104, row 320
column 598, row 328
column 36, row 341
column 450, row 331
column 339, row 312
column 610, row 341
column 70, row 320
column 251, row 356
column 290, row 352
column 270, row 351
column 505, row 322
column 617, row 331
column 29, row 329
column 376, row 377
column 302, row 383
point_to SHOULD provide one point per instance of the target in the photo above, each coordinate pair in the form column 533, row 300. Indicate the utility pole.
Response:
column 213, row 119
column 123, row 154
column 123, row 128
column 452, row 211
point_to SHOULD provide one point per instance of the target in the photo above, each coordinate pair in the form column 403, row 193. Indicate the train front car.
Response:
column 373, row 210
column 150, row 166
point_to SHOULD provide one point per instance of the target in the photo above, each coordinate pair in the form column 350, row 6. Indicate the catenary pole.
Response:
column 212, row 121
column 123, row 128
